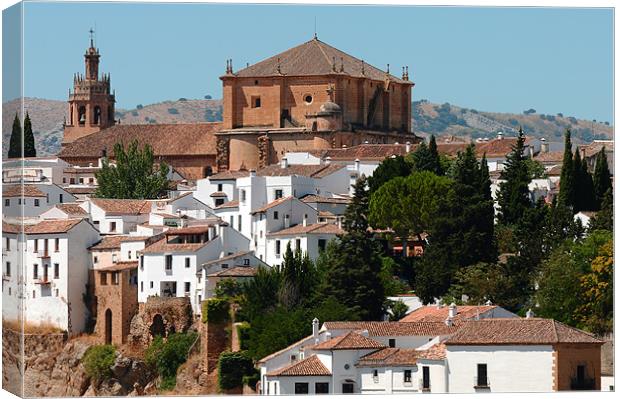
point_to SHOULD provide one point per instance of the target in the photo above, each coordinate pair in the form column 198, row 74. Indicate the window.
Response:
column 56, row 270
column 115, row 278
column 347, row 387
column 187, row 287
column 275, row 215
column 298, row 244
column 7, row 243
column 321, row 387
column 246, row 262
column 95, row 259
column 36, row 202
column 81, row 180
column 141, row 286
column 36, row 245
column 56, row 244
column 168, row 262
column 34, row 294
column 91, row 180
column 187, row 263
column 56, row 292
column 35, row 271
column 112, row 226
column 19, row 201
column 224, row 265
column 8, row 269
column 128, row 254
column 64, row 180
column 256, row 102
column 220, row 187
column 277, row 248
column 72, row 180
column 219, row 201
column 279, row 194
column 103, row 278
column 141, row 262
column 375, row 376
column 308, row 99
column 482, row 380
column 232, row 221
column 392, row 343
column 239, row 222
column 426, row 378
column 301, row 388
column 151, row 284
column 60, row 198
column 322, row 244
column 113, row 258
column 242, row 195
column 407, row 376
column 7, row 202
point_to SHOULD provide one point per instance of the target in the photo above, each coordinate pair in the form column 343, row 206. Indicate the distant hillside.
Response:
column 428, row 118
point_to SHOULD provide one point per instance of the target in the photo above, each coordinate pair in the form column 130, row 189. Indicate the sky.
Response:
column 490, row 59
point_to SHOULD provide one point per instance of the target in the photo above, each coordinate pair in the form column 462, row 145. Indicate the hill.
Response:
column 428, row 118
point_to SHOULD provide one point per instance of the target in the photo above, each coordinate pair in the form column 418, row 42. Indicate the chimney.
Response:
column 357, row 165
column 366, row 142
column 500, row 135
column 328, row 160
column 364, row 333
column 529, row 314
column 452, row 311
column 544, row 146
column 315, row 329
column 396, row 143
column 305, row 220
column 104, row 155
column 252, row 172
column 287, row 221
column 90, row 164
column 407, row 147
column 284, row 163
column 344, row 146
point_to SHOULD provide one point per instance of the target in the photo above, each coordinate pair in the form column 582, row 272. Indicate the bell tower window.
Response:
column 256, row 102
column 97, row 115
column 82, row 115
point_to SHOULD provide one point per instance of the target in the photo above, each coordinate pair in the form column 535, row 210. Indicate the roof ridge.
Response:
column 318, row 43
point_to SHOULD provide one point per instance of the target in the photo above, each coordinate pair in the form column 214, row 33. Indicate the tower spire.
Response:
column 91, row 34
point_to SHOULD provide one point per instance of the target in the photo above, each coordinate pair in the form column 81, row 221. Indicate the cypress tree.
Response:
column 435, row 164
column 29, row 146
column 601, row 179
column 587, row 187
column 604, row 219
column 426, row 157
column 567, row 189
column 15, row 144
column 356, row 215
column 514, row 195
column 578, row 184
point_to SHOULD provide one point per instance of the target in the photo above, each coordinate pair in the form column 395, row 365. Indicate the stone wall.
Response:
column 160, row 316
column 120, row 300
column 568, row 356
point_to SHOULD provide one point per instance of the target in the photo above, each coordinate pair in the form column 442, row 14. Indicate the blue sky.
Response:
column 492, row 59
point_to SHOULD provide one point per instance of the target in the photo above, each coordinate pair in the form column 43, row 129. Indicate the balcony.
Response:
column 6, row 277
column 482, row 382
column 425, row 387
column 42, row 281
column 43, row 253
column 582, row 384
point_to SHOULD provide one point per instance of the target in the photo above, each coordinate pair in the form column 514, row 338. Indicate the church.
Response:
column 310, row 97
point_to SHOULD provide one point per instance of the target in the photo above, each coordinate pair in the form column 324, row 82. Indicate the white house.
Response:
column 54, row 272
column 219, row 188
column 240, row 266
column 31, row 200
column 69, row 210
column 585, row 217
column 46, row 170
column 117, row 216
column 311, row 239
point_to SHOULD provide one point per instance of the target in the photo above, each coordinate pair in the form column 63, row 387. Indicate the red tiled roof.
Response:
column 122, row 206
column 513, row 331
column 54, row 226
column 307, row 367
column 15, row 190
column 165, row 139
column 435, row 352
column 114, row 242
column 72, row 209
column 119, row 266
column 316, row 228
column 350, row 340
column 433, row 313
column 80, row 190
column 315, row 58
column 78, row 170
column 229, row 204
column 163, row 246
column 218, row 194
column 316, row 171
column 229, row 175
column 596, row 146
column 225, row 258
column 237, row 271
column 272, row 204
column 389, row 357
column 326, row 200
column 364, row 152
column 200, row 229
column 394, row 328
column 550, row 157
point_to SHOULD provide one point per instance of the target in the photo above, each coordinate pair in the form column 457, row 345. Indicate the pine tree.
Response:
column 514, row 196
column 435, row 164
column 567, row 189
column 601, row 179
column 388, row 169
column 29, row 146
column 426, row 157
column 356, row 215
column 15, row 144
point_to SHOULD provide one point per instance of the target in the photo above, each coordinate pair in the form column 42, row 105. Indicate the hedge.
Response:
column 98, row 361
column 232, row 367
column 243, row 332
column 215, row 310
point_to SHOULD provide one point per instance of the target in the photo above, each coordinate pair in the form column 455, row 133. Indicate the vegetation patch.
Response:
column 215, row 310
column 232, row 368
column 166, row 356
column 98, row 361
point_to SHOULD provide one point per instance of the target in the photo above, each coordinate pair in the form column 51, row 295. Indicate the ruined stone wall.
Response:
column 160, row 316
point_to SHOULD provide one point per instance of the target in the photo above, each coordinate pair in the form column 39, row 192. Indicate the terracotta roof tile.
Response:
column 78, row 170
column 229, row 204
column 364, row 152
column 225, row 258
column 325, row 200
column 314, row 58
column 164, row 246
column 218, row 194
column 15, row 190
column 237, row 271
column 272, row 204
column 165, row 139
column 433, row 313
column 596, row 146
column 316, row 171
column 80, row 190
column 389, row 357
column 435, row 352
column 114, row 242
column 122, row 206
column 307, row 367
column 394, row 328
column 532, row 331
column 316, row 228
column 119, row 266
column 229, row 175
column 52, row 226
column 550, row 157
column 350, row 340
column 72, row 209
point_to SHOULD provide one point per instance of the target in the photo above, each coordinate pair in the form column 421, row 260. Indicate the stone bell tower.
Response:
column 91, row 104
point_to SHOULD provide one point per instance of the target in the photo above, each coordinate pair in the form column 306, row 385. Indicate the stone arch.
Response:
column 82, row 115
column 108, row 326
column 158, row 326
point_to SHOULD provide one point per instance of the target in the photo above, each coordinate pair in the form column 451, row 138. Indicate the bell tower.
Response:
column 91, row 104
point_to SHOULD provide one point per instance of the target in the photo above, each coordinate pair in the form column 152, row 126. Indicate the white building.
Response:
column 240, row 266
column 31, row 200
column 311, row 239
column 117, row 216
column 41, row 170
column 49, row 285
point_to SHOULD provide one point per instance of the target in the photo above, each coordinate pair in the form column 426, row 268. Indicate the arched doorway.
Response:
column 108, row 326
column 157, row 327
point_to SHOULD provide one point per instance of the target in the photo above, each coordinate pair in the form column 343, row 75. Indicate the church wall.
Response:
column 243, row 150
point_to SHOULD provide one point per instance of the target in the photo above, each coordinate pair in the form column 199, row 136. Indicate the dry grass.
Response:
column 31, row 328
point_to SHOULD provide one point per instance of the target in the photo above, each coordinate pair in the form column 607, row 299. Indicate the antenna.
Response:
column 315, row 27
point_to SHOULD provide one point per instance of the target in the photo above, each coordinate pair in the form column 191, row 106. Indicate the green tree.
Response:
column 15, row 143
column 604, row 219
column 388, row 169
column 513, row 197
column 167, row 356
column 356, row 215
column 298, row 278
column 232, row 367
column 228, row 289
column 260, row 294
column 398, row 310
column 134, row 175
column 426, row 158
column 98, row 361
column 567, row 189
column 535, row 169
column 29, row 146
column 602, row 178
column 586, row 192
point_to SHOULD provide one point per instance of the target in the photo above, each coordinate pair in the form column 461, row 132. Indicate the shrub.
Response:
column 232, row 367
column 98, row 361
column 134, row 113
column 243, row 332
column 208, row 97
column 529, row 111
column 139, row 106
column 182, row 99
column 215, row 310
column 251, row 380
column 167, row 356
column 173, row 111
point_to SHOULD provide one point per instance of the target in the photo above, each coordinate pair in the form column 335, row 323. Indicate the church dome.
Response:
column 330, row 107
